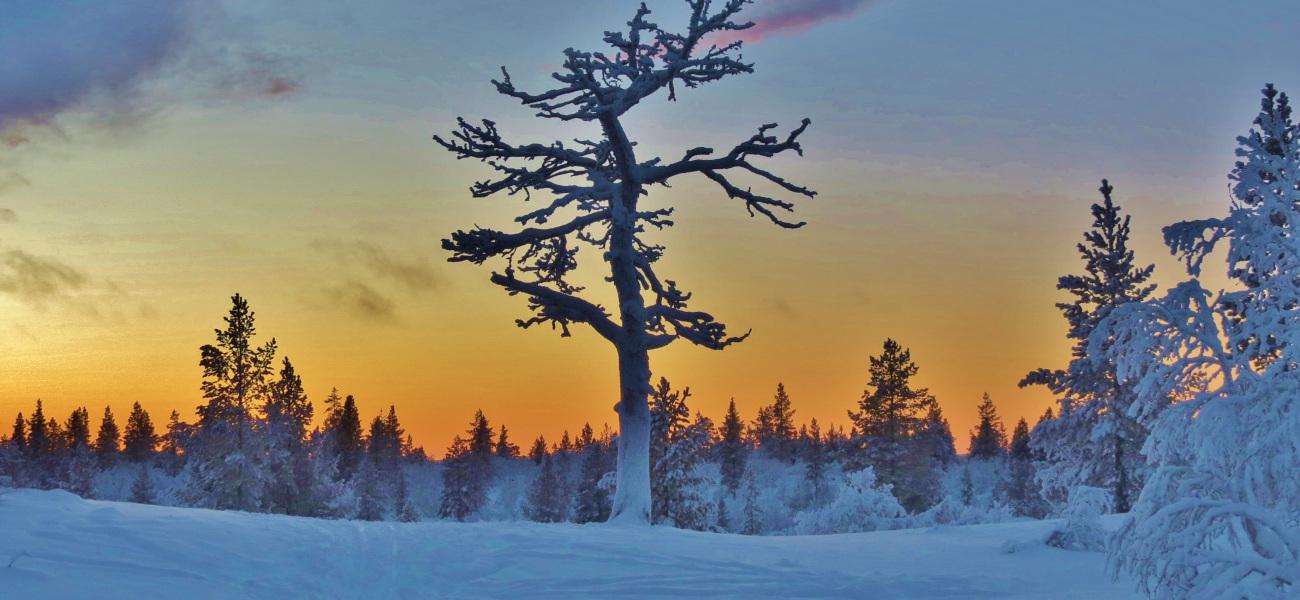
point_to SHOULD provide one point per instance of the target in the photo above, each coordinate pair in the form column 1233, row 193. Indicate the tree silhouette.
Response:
column 596, row 187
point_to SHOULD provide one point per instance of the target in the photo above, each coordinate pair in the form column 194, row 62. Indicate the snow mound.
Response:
column 54, row 545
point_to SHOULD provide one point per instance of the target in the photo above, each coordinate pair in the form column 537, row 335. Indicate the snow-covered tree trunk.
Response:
column 632, row 496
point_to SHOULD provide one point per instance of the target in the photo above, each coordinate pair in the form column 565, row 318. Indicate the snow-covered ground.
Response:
column 56, row 545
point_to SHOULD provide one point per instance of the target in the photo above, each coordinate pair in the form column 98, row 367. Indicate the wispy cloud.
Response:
column 7, row 215
column 44, row 282
column 361, row 300
column 788, row 17
column 38, row 280
column 373, row 274
column 415, row 275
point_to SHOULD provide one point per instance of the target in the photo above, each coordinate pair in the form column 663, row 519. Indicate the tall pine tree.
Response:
column 108, row 442
column 227, row 454
column 889, row 417
column 1093, row 441
column 989, row 438
column 731, row 449
column 140, row 439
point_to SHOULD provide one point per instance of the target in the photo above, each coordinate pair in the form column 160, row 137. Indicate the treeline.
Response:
column 253, row 447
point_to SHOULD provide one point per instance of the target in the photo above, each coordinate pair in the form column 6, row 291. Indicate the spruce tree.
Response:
column 504, row 448
column 889, row 417
column 1093, row 400
column 287, row 409
column 723, row 521
column 538, row 452
column 782, row 434
column 480, row 436
column 172, row 442
column 139, row 440
column 1216, row 375
column 753, row 524
column 467, row 471
column 462, row 495
column 762, row 432
column 19, row 436
column 731, row 449
column 592, row 499
column 565, row 447
column 57, row 441
column 585, row 437
column 348, row 444
column 107, row 443
column 370, row 504
column 79, row 474
column 227, row 452
column 405, row 508
column 676, row 448
column 815, row 464
column 288, row 412
column 390, row 445
column 989, row 438
column 547, row 501
column 937, row 435
column 38, row 441
column 1022, row 489
column 142, row 491
column 77, row 430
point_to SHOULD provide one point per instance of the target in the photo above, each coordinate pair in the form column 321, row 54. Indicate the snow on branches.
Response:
column 1218, row 517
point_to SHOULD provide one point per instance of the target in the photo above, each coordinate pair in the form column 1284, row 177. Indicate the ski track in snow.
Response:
column 64, row 547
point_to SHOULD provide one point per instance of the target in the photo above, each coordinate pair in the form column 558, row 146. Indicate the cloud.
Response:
column 373, row 274
column 63, row 55
column 37, row 280
column 42, row 282
column 415, row 276
column 97, row 57
column 361, row 300
column 7, row 215
column 787, row 17
column 73, row 68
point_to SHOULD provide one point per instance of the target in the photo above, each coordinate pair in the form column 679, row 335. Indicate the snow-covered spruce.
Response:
column 1218, row 517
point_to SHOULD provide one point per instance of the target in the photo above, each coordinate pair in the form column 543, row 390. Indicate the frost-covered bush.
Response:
column 1082, row 529
column 860, row 504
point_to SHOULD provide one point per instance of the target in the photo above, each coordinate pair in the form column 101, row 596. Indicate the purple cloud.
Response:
column 787, row 17
column 58, row 57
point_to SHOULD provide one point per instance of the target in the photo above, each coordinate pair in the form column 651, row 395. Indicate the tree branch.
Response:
column 559, row 309
column 479, row 244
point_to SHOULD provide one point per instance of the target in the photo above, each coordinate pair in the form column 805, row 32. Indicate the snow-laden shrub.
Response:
column 860, row 504
column 973, row 493
column 1082, row 528
column 952, row 511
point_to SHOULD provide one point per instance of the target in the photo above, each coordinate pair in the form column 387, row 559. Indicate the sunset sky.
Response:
column 155, row 161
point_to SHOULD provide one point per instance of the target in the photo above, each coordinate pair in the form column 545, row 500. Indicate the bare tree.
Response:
column 597, row 186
